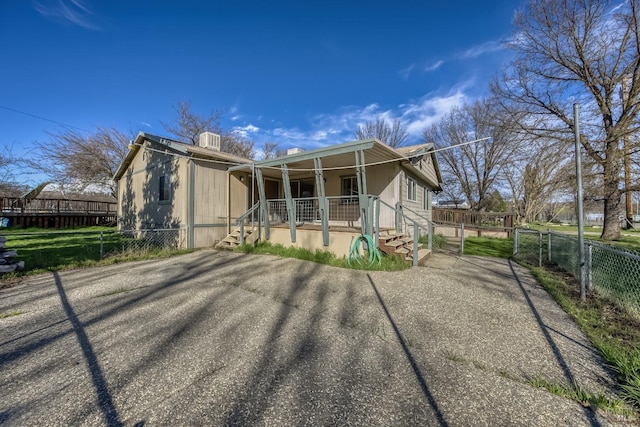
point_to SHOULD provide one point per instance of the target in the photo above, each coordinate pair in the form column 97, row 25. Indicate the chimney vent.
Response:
column 209, row 140
column 295, row 150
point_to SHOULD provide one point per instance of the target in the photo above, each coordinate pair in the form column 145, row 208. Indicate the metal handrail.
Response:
column 247, row 213
column 243, row 217
column 416, row 227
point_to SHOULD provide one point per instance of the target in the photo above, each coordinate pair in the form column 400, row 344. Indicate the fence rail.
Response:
column 611, row 272
column 18, row 205
column 475, row 220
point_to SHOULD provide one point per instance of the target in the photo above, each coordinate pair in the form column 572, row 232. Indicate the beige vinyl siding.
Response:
column 139, row 187
column 210, row 203
column 418, row 205
column 428, row 169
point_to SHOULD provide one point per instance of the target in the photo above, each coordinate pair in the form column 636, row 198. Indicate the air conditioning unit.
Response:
column 295, row 150
column 209, row 140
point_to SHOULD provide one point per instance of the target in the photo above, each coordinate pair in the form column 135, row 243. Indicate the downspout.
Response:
column 191, row 204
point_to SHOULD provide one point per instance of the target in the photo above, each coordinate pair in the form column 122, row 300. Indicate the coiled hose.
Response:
column 356, row 255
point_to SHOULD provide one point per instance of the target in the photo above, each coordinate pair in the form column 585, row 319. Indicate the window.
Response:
column 350, row 186
column 165, row 188
column 426, row 201
column 411, row 189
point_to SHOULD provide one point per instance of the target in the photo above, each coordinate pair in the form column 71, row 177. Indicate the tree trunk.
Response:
column 612, row 194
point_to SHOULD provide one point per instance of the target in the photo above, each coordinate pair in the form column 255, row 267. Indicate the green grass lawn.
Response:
column 49, row 250
column 386, row 263
column 630, row 240
column 488, row 246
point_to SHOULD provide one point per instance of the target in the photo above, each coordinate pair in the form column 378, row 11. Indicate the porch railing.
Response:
column 363, row 213
column 342, row 211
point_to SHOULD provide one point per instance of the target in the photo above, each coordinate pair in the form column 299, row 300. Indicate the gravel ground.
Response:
column 220, row 338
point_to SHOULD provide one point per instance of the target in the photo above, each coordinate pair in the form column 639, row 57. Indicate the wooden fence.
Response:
column 489, row 221
column 56, row 213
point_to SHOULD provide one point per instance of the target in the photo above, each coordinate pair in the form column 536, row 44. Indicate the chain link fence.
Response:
column 52, row 249
column 146, row 241
column 611, row 272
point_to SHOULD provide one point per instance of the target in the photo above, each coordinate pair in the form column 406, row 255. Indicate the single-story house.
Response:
column 167, row 184
column 324, row 198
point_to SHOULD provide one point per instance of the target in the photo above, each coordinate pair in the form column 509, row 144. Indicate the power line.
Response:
column 35, row 116
column 334, row 168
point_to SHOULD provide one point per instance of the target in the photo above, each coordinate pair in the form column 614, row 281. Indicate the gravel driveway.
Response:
column 220, row 338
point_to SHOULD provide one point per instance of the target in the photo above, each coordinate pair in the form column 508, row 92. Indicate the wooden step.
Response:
column 395, row 243
column 423, row 255
column 402, row 251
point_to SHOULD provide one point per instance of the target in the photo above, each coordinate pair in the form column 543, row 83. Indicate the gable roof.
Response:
column 176, row 147
column 413, row 151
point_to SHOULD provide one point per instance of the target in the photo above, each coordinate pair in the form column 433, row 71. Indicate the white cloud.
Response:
column 340, row 126
column 73, row 11
column 244, row 131
column 434, row 66
column 405, row 72
column 481, row 49
column 430, row 108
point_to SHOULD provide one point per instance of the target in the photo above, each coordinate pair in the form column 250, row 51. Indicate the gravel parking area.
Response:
column 221, row 338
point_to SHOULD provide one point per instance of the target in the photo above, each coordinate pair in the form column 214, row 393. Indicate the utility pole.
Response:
column 576, row 128
column 627, row 164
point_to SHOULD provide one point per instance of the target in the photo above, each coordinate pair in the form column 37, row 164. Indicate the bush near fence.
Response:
column 611, row 272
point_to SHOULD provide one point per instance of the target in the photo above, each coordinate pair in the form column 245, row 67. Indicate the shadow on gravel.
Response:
column 410, row 359
column 105, row 401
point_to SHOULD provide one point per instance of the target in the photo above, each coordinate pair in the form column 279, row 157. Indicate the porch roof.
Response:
column 340, row 156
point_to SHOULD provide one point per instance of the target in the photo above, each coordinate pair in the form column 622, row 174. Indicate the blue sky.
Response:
column 298, row 73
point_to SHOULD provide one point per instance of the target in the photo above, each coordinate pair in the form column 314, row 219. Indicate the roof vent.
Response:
column 295, row 150
column 209, row 140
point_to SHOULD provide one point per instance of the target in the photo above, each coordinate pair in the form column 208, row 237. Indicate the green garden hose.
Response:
column 355, row 254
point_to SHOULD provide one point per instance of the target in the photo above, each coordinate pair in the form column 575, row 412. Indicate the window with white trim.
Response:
column 411, row 189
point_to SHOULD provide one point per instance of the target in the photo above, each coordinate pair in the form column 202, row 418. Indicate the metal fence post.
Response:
column 462, row 238
column 101, row 246
column 415, row 244
column 515, row 242
column 539, row 248
column 549, row 244
column 589, row 265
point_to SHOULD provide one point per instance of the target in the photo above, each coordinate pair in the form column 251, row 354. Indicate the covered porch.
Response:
column 319, row 199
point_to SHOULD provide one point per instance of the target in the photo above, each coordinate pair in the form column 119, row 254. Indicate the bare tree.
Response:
column 189, row 125
column 394, row 134
column 77, row 160
column 270, row 150
column 472, row 170
column 579, row 51
column 536, row 175
column 233, row 142
column 9, row 164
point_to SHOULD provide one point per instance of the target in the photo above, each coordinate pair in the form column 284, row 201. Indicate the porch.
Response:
column 324, row 199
